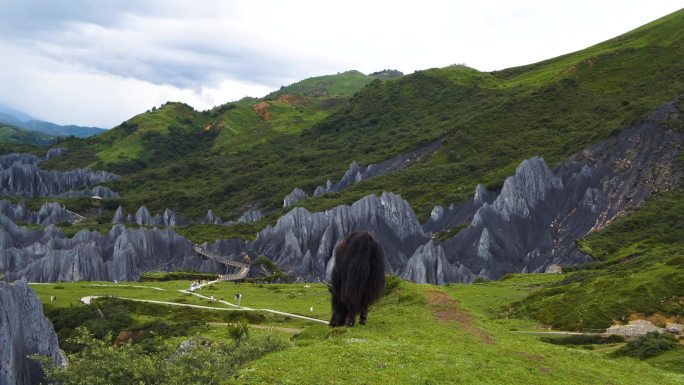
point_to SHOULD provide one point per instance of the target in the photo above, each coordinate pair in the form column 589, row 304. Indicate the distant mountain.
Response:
column 18, row 135
column 57, row 130
column 16, row 114
column 20, row 119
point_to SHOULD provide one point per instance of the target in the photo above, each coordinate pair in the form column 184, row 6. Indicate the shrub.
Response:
column 583, row 340
column 648, row 346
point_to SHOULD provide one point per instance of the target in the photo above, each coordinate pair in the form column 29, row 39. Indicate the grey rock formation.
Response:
column 356, row 173
column 429, row 264
column 444, row 219
column 55, row 152
column 21, row 176
column 295, row 196
column 251, row 216
column 143, row 218
column 534, row 222
column 48, row 214
column 119, row 216
column 211, row 218
column 303, row 242
column 121, row 254
column 24, row 331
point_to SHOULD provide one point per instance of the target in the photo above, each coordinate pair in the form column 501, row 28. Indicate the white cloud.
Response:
column 98, row 62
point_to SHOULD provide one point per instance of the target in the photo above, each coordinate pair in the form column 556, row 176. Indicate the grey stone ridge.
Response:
column 24, row 331
column 356, row 173
column 295, row 196
column 170, row 219
column 55, row 152
column 20, row 175
column 49, row 213
column 143, row 218
column 535, row 220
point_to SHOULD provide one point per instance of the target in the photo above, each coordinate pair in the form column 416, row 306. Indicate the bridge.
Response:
column 243, row 267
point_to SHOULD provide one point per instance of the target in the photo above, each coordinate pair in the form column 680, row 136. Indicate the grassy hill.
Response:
column 489, row 121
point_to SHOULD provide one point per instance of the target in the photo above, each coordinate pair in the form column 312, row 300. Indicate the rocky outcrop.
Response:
column 295, row 196
column 211, row 218
column 55, row 152
column 534, row 222
column 24, row 331
column 169, row 218
column 444, row 219
column 143, row 217
column 429, row 264
column 251, row 216
column 356, row 173
column 303, row 243
column 48, row 214
column 20, row 175
column 121, row 254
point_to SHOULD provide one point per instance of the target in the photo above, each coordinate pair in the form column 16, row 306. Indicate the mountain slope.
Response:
column 489, row 122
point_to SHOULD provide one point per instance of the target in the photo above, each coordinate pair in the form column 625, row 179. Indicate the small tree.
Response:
column 239, row 331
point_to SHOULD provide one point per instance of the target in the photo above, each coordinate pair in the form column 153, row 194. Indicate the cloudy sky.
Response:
column 99, row 62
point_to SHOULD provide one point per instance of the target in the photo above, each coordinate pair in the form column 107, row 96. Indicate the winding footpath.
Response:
column 87, row 300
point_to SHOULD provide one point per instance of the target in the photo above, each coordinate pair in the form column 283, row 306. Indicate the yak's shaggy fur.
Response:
column 358, row 278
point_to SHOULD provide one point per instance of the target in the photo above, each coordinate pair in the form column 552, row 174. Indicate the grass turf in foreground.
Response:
column 421, row 335
column 418, row 334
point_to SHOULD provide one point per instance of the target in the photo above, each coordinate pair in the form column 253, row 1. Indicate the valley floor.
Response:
column 418, row 334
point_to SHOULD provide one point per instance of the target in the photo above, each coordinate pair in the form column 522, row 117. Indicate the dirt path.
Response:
column 89, row 298
column 446, row 309
column 252, row 309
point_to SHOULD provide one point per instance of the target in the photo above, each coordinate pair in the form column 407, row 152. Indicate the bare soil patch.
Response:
column 446, row 309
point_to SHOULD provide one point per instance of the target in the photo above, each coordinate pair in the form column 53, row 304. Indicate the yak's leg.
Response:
column 364, row 315
column 350, row 319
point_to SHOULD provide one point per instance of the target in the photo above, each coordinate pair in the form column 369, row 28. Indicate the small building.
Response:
column 96, row 200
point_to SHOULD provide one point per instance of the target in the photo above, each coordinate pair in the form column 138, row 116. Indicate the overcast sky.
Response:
column 99, row 62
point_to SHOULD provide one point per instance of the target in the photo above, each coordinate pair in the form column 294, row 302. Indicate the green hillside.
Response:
column 15, row 135
column 342, row 84
column 489, row 122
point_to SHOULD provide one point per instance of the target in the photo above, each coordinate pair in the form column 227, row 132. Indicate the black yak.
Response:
column 358, row 278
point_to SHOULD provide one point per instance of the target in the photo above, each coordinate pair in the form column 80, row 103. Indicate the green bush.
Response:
column 158, row 276
column 648, row 346
column 202, row 362
column 583, row 340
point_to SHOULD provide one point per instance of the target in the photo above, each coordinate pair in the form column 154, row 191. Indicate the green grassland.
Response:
column 417, row 334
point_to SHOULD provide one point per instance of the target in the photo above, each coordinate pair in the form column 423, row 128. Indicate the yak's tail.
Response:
column 365, row 275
